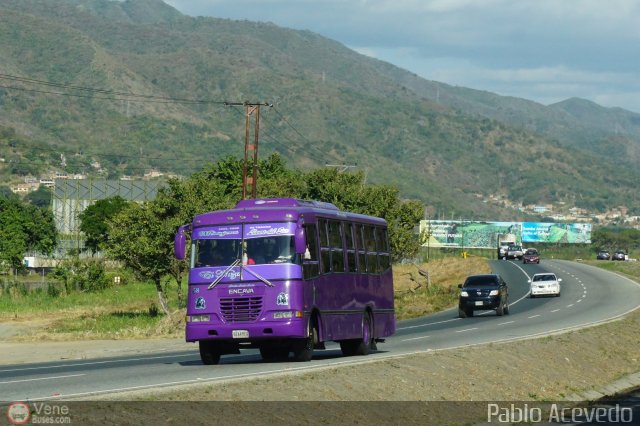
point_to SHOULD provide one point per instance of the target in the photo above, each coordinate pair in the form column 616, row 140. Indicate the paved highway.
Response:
column 589, row 296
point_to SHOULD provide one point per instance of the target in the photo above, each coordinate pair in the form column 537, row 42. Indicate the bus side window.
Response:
column 325, row 249
column 372, row 255
column 310, row 264
column 351, row 247
column 337, row 252
column 382, row 244
column 362, row 257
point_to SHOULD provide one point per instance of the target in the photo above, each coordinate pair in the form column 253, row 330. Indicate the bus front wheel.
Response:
column 209, row 353
column 303, row 348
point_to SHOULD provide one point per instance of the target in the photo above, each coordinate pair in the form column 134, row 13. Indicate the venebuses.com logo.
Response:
column 20, row 413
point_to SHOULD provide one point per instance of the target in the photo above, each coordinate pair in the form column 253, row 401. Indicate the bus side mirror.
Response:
column 180, row 242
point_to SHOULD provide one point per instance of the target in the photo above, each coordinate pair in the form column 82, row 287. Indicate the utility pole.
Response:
column 249, row 180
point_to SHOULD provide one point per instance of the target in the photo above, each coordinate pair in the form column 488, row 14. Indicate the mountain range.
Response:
column 113, row 88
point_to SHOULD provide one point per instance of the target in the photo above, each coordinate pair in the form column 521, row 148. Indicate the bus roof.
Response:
column 283, row 202
column 278, row 209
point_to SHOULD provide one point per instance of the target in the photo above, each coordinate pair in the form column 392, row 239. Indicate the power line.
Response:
column 123, row 95
column 134, row 97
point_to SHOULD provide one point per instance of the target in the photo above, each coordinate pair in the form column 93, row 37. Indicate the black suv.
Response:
column 483, row 292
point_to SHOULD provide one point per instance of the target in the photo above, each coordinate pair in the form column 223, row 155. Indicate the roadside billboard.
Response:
column 536, row 232
column 480, row 234
column 466, row 234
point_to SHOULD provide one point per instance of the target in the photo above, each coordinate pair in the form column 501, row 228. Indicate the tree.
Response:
column 94, row 221
column 140, row 237
column 41, row 197
column 348, row 192
column 24, row 227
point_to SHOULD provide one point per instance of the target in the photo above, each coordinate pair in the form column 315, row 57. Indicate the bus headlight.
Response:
column 199, row 318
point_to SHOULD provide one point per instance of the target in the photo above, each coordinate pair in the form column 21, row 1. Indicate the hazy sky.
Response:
column 542, row 50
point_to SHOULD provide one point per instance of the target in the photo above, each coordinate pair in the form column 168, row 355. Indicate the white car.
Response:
column 545, row 284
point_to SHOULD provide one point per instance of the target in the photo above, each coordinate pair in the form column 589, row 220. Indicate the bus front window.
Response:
column 279, row 249
column 214, row 252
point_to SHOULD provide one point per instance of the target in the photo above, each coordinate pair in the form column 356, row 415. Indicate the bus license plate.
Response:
column 240, row 334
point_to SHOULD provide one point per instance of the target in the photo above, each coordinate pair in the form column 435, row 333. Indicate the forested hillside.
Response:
column 111, row 88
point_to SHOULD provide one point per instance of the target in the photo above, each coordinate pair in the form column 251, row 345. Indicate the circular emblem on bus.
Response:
column 18, row 413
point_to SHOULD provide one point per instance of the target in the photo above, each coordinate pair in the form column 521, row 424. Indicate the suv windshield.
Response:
column 480, row 281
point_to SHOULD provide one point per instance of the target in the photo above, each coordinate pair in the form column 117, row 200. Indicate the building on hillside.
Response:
column 72, row 196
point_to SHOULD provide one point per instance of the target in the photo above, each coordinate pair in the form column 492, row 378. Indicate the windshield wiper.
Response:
column 258, row 276
column 224, row 274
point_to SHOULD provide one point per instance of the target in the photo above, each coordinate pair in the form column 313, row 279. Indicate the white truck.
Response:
column 504, row 241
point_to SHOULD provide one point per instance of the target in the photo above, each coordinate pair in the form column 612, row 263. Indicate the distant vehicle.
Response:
column 619, row 255
column 603, row 255
column 483, row 292
column 504, row 241
column 531, row 256
column 545, row 284
column 514, row 252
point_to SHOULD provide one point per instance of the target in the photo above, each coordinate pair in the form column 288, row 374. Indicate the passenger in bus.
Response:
column 254, row 252
column 286, row 250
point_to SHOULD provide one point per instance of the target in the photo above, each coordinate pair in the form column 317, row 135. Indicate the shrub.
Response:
column 82, row 275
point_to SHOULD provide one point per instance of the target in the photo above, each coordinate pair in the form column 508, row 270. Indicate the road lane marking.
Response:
column 42, row 378
column 415, row 338
column 80, row 364
column 508, row 322
column 569, row 306
column 555, row 310
column 466, row 329
column 533, row 316
column 430, row 323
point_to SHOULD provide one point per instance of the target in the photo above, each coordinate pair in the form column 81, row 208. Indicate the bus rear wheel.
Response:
column 362, row 346
column 209, row 353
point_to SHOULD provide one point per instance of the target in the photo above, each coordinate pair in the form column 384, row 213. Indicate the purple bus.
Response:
column 285, row 275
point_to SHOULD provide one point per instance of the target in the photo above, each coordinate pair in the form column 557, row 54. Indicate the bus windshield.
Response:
column 253, row 244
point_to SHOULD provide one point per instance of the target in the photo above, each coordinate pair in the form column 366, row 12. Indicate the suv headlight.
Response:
column 464, row 294
column 494, row 293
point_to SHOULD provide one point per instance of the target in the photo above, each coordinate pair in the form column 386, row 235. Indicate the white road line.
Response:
column 466, row 329
column 534, row 316
column 555, row 310
column 415, row 338
column 80, row 364
column 425, row 325
column 42, row 378
column 508, row 322
column 568, row 306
